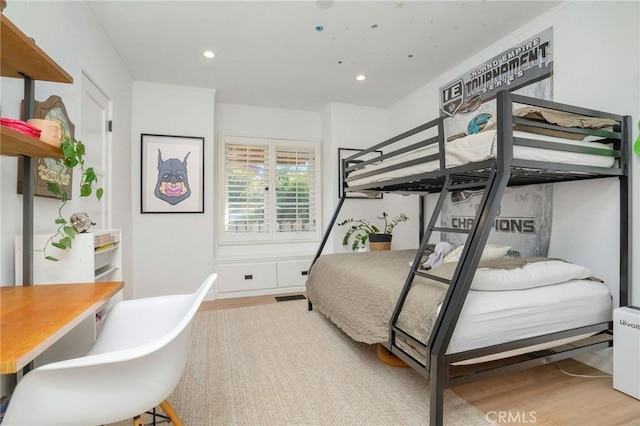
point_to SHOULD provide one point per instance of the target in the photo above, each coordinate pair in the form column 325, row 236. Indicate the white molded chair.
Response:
column 134, row 365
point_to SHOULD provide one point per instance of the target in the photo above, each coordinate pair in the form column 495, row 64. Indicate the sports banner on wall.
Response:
column 523, row 221
column 468, row 103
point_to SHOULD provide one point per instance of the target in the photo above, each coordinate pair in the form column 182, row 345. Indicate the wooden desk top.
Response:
column 33, row 318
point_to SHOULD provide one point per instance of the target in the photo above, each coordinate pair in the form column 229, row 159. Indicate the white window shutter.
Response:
column 270, row 188
column 246, row 189
column 295, row 189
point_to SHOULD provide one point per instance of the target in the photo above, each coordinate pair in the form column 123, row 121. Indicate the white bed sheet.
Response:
column 480, row 147
column 494, row 317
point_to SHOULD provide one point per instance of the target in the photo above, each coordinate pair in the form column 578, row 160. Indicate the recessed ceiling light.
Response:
column 361, row 77
column 208, row 54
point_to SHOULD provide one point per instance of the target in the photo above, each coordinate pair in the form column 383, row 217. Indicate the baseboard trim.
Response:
column 267, row 292
column 601, row 360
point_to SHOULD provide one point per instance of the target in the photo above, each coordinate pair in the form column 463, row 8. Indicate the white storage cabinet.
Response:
column 94, row 257
column 263, row 277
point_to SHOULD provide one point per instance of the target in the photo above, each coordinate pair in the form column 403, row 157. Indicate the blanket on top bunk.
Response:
column 509, row 299
column 484, row 145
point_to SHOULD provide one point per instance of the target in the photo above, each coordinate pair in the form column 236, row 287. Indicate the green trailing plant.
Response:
column 636, row 146
column 73, row 152
column 360, row 229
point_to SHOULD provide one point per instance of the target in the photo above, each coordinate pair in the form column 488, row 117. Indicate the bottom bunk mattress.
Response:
column 358, row 292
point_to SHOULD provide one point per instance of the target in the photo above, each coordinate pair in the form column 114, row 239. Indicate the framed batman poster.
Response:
column 172, row 174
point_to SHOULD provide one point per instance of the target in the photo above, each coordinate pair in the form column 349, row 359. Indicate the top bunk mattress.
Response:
column 479, row 147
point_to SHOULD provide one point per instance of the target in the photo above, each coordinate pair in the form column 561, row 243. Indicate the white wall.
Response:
column 81, row 46
column 243, row 120
column 173, row 252
column 357, row 127
column 615, row 31
column 596, row 48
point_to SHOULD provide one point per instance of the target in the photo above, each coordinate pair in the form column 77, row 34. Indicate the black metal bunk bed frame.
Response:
column 492, row 175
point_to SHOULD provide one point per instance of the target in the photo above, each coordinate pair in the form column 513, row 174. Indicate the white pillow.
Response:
column 531, row 275
column 491, row 252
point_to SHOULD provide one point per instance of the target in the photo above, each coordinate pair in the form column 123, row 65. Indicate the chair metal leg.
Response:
column 171, row 413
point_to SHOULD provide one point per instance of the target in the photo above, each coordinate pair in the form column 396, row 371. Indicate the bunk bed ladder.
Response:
column 434, row 368
column 460, row 284
column 447, row 187
column 393, row 327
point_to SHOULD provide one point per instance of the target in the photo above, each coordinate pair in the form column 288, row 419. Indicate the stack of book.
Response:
column 105, row 240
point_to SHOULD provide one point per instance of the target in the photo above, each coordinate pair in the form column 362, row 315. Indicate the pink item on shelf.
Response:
column 21, row 126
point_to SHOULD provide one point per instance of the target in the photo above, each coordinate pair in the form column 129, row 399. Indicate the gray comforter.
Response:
column 358, row 292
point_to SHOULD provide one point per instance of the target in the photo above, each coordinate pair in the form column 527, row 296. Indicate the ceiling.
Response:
column 274, row 53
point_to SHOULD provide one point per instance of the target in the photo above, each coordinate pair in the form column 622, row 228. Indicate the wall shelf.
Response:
column 16, row 144
column 107, row 249
column 21, row 56
column 101, row 273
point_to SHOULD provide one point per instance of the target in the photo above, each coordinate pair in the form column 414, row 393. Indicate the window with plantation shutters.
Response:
column 295, row 185
column 270, row 188
column 246, row 189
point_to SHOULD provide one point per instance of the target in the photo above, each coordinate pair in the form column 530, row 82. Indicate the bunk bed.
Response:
column 422, row 311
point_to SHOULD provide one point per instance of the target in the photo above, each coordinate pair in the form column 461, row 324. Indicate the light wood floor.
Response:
column 541, row 395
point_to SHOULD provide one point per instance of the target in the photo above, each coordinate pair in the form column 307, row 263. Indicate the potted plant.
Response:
column 362, row 230
column 73, row 156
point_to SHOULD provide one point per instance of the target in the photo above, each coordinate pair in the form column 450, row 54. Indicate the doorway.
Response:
column 96, row 135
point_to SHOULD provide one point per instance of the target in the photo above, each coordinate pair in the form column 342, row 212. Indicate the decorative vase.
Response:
column 51, row 130
column 379, row 242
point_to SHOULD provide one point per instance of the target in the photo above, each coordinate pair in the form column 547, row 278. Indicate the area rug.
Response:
column 279, row 364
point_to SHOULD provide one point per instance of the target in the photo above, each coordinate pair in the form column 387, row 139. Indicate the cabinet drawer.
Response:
column 293, row 273
column 246, row 276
